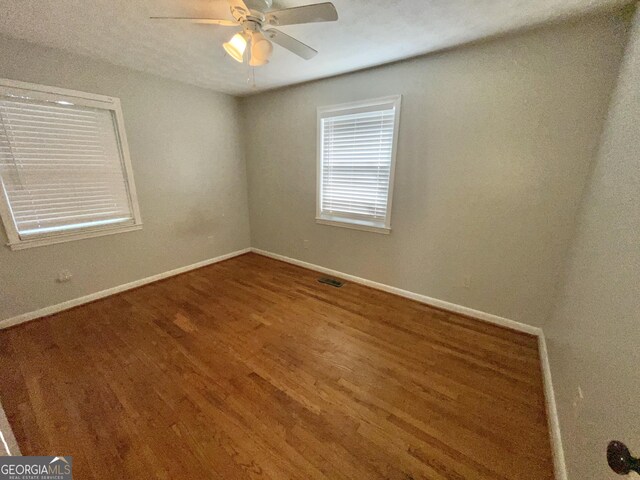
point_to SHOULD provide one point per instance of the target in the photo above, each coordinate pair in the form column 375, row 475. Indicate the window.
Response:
column 356, row 161
column 64, row 166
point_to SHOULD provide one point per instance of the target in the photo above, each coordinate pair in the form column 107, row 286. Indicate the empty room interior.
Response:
column 275, row 239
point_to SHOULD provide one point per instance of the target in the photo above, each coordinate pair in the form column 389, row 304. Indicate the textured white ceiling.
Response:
column 368, row 33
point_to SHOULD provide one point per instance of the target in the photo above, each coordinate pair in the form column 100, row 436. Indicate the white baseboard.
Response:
column 43, row 312
column 559, row 464
column 434, row 302
column 552, row 413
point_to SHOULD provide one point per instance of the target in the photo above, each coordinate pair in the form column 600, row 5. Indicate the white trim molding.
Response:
column 353, row 220
column 550, row 401
column 62, row 238
column 353, row 224
column 43, row 312
column 434, row 302
column 18, row 239
column 553, row 420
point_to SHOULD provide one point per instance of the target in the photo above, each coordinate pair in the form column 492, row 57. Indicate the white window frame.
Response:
column 43, row 92
column 346, row 109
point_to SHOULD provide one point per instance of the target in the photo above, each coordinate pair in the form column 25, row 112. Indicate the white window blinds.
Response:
column 62, row 166
column 357, row 146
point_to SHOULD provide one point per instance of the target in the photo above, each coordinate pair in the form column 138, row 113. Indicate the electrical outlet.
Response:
column 64, row 276
column 305, row 244
column 467, row 281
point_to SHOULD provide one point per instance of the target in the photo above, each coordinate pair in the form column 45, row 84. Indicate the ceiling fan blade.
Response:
column 207, row 21
column 240, row 5
column 320, row 12
column 291, row 44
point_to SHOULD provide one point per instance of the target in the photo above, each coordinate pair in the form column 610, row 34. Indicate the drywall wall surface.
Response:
column 593, row 335
column 189, row 171
column 496, row 142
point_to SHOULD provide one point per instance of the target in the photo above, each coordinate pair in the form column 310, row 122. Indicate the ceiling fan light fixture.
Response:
column 236, row 46
column 257, row 63
column 261, row 50
column 256, row 20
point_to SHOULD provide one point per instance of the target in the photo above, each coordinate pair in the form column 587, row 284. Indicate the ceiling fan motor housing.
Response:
column 255, row 13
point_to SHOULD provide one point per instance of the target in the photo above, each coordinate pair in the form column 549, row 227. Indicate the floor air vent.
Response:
column 331, row 281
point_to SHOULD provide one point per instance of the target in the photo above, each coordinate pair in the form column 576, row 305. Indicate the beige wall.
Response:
column 495, row 145
column 189, row 172
column 594, row 332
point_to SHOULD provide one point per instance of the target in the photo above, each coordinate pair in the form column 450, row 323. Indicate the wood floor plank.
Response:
column 251, row 369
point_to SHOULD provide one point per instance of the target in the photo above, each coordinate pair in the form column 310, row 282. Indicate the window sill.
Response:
column 362, row 225
column 54, row 239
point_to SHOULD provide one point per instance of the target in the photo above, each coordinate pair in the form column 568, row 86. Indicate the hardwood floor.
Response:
column 251, row 369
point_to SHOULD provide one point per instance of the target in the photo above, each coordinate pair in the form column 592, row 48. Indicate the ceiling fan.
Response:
column 256, row 18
